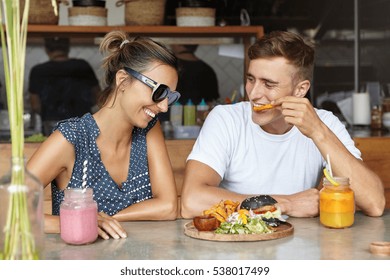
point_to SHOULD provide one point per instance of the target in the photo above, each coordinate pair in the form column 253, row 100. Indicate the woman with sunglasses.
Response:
column 122, row 144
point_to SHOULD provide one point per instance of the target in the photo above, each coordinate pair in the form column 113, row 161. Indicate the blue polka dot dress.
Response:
column 82, row 133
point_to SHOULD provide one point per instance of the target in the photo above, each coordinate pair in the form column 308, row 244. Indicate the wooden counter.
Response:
column 375, row 153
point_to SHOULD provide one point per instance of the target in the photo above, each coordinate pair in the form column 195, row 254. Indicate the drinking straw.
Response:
column 84, row 179
column 329, row 165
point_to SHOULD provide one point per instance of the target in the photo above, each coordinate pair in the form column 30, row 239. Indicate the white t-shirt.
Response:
column 252, row 161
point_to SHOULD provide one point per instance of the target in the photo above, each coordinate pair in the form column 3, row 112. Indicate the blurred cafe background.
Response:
column 352, row 38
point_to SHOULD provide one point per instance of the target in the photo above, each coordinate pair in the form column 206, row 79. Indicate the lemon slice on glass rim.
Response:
column 330, row 178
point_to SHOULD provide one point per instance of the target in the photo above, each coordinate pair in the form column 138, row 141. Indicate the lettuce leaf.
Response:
column 254, row 226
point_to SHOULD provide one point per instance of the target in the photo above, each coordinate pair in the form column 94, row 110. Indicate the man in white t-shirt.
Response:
column 243, row 151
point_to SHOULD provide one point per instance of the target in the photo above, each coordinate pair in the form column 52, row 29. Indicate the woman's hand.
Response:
column 108, row 226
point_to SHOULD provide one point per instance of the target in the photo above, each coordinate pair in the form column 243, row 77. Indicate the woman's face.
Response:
column 137, row 97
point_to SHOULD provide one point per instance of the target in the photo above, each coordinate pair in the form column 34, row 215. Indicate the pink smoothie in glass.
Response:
column 79, row 226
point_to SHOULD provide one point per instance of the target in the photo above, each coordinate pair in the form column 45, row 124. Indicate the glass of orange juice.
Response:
column 337, row 203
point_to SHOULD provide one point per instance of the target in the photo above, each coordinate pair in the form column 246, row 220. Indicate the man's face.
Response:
column 269, row 79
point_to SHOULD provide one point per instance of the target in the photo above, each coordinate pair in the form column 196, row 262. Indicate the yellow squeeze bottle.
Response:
column 189, row 113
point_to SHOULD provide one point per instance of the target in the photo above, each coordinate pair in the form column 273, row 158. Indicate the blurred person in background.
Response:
column 197, row 79
column 62, row 87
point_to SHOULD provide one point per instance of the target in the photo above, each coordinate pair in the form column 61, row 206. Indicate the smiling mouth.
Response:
column 258, row 108
column 149, row 113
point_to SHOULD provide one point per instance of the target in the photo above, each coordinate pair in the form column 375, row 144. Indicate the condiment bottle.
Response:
column 168, row 130
column 376, row 117
column 176, row 114
column 202, row 109
column 337, row 204
column 189, row 113
column 78, row 217
column 386, row 105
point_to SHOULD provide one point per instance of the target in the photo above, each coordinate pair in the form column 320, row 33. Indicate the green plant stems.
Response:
column 19, row 241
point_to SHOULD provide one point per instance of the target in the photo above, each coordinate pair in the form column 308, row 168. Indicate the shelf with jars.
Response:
column 244, row 32
column 201, row 35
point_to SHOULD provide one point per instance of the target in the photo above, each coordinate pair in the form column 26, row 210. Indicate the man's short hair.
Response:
column 191, row 48
column 57, row 44
column 297, row 51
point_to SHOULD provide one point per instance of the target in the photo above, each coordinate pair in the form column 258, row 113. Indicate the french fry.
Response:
column 219, row 217
column 262, row 107
column 222, row 210
column 229, row 202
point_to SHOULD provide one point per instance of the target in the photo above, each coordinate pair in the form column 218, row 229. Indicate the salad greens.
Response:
column 247, row 222
column 254, row 225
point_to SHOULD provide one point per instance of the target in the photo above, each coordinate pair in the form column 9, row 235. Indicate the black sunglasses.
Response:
column 160, row 91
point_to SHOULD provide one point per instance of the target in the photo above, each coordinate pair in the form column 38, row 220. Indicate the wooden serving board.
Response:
column 281, row 231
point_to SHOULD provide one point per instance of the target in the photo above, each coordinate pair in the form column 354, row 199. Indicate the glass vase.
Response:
column 21, row 214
